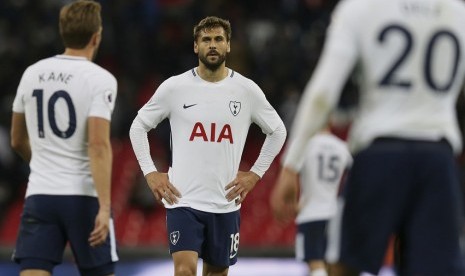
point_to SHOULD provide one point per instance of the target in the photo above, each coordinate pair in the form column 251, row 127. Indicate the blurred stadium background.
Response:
column 275, row 42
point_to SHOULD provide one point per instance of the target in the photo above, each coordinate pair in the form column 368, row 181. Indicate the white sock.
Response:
column 319, row 272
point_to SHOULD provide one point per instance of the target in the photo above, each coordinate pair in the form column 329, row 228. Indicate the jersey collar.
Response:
column 70, row 57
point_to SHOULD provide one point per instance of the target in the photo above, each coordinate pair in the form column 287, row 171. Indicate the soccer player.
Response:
column 326, row 160
column 404, row 179
column 210, row 109
column 61, row 126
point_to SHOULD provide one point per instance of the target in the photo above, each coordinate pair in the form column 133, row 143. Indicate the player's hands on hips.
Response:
column 283, row 199
column 241, row 186
column 162, row 188
column 100, row 232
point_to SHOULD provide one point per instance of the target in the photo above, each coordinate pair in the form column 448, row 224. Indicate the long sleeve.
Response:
column 140, row 145
column 271, row 147
column 324, row 88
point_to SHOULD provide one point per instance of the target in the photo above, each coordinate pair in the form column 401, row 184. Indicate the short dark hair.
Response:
column 79, row 20
column 212, row 22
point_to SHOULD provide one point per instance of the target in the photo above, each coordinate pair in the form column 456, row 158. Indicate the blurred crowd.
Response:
column 276, row 43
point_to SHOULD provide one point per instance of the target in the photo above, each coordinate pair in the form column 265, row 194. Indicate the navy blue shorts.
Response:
column 311, row 241
column 410, row 189
column 49, row 222
column 215, row 236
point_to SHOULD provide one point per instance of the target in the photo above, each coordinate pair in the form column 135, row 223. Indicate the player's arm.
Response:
column 100, row 154
column 322, row 92
column 20, row 137
column 158, row 182
column 271, row 147
column 320, row 96
column 148, row 117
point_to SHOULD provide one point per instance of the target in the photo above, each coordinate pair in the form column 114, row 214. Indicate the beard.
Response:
column 212, row 65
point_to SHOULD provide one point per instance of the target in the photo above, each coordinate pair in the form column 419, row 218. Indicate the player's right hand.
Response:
column 162, row 188
column 100, row 232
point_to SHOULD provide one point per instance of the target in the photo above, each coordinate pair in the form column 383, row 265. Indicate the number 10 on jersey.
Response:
column 50, row 110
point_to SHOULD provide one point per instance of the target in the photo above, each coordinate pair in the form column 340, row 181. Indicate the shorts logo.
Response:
column 235, row 107
column 174, row 237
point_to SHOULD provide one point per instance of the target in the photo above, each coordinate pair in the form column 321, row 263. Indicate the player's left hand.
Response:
column 283, row 199
column 100, row 232
column 241, row 186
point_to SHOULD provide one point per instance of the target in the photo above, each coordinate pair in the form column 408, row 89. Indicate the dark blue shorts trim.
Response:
column 102, row 270
column 30, row 263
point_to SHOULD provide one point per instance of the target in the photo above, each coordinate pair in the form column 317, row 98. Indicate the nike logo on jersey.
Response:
column 187, row 106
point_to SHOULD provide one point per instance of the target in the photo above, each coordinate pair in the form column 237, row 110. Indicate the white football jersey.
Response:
column 326, row 159
column 57, row 95
column 411, row 59
column 209, row 125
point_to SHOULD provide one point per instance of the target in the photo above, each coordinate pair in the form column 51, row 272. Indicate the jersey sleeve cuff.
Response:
column 148, row 170
column 257, row 172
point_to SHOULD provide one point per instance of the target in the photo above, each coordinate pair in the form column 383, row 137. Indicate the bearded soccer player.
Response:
column 61, row 126
column 210, row 109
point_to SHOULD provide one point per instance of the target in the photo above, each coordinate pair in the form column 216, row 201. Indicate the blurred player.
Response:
column 61, row 126
column 210, row 109
column 404, row 178
column 326, row 159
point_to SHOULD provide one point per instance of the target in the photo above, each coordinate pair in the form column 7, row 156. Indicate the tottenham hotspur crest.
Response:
column 235, row 107
column 174, row 237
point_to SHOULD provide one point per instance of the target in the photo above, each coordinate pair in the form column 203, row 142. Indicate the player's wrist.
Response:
column 257, row 172
column 105, row 207
column 290, row 170
column 255, row 175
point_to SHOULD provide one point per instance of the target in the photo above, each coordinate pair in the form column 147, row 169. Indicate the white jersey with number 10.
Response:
column 57, row 95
